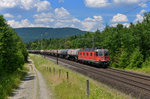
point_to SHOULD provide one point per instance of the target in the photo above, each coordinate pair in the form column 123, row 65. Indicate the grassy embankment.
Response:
column 144, row 70
column 11, row 81
column 75, row 88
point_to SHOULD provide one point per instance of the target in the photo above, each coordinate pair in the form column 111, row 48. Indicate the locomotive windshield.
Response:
column 102, row 53
column 106, row 53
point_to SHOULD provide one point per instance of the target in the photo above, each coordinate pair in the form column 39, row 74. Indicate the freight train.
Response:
column 95, row 56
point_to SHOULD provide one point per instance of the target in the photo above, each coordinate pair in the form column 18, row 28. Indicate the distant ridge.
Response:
column 37, row 33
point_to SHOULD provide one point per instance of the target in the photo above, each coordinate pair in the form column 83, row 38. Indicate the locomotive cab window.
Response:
column 96, row 53
column 106, row 53
column 100, row 53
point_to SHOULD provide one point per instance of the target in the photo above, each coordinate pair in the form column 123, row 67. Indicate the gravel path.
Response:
column 33, row 86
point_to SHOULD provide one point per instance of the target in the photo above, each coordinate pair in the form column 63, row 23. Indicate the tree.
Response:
column 124, row 59
column 12, row 50
column 136, row 59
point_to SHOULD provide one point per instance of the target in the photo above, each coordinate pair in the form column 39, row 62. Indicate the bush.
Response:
column 136, row 59
column 124, row 59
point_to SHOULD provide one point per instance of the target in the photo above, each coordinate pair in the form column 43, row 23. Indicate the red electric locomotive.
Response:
column 96, row 56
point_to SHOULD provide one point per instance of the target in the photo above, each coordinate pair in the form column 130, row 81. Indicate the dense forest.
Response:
column 128, row 47
column 13, row 55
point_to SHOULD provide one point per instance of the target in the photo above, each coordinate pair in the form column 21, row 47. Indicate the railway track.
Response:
column 135, row 84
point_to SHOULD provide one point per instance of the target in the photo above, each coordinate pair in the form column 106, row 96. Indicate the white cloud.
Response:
column 126, row 1
column 7, row 3
column 96, row 3
column 106, row 3
column 60, row 17
column 7, row 15
column 17, row 24
column 62, row 13
column 43, row 5
column 114, row 25
column 143, row 5
column 24, row 23
column 119, row 18
column 45, row 18
column 125, row 25
column 25, row 4
column 91, row 24
column 44, row 15
column 139, row 17
column 142, row 11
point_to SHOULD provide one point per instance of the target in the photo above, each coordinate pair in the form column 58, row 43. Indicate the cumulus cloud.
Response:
column 119, row 18
column 43, row 5
column 139, row 16
column 106, row 3
column 142, row 11
column 25, row 4
column 7, row 15
column 62, row 13
column 91, row 24
column 44, row 18
column 143, row 5
column 60, row 17
column 24, row 23
column 126, row 1
column 96, row 3
column 7, row 3
column 125, row 25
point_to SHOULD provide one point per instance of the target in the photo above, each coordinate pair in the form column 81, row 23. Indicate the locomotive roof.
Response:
column 93, row 49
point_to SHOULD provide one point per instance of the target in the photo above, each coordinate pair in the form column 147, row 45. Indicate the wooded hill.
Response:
column 128, row 47
column 38, row 33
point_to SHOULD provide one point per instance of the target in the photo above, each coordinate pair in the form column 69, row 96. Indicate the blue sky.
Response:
column 88, row 15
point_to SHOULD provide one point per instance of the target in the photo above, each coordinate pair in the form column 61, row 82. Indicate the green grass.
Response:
column 75, row 88
column 11, row 81
column 145, row 69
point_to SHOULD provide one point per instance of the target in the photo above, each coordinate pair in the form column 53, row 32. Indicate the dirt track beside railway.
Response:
column 33, row 86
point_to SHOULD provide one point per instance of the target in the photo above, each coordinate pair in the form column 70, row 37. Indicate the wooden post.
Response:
column 67, row 76
column 59, row 72
column 49, row 69
column 54, row 70
column 87, row 89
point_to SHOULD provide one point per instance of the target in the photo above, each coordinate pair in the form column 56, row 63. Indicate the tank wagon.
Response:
column 88, row 55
